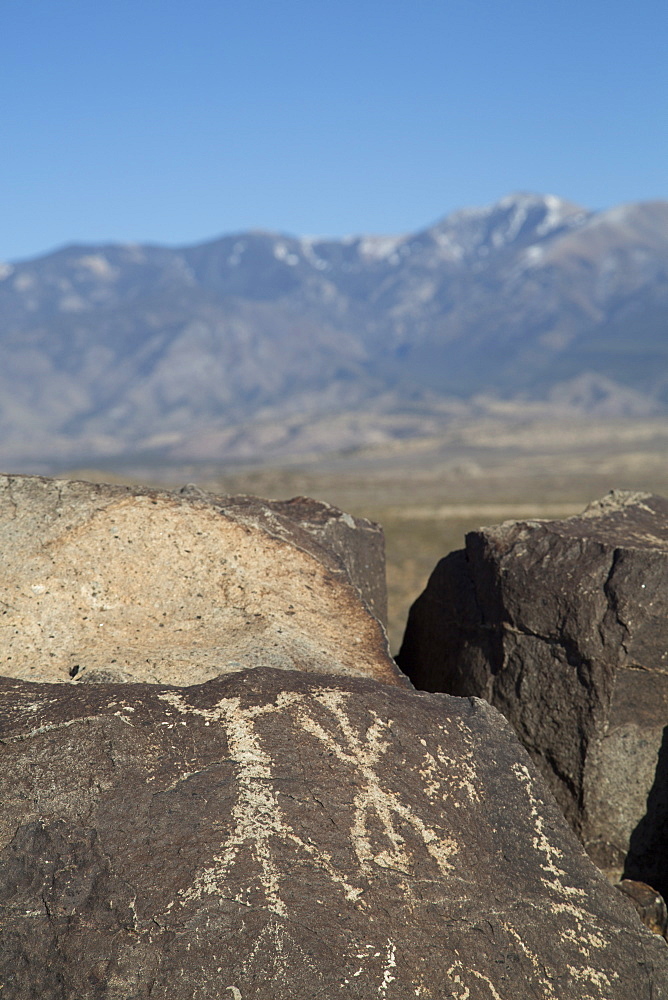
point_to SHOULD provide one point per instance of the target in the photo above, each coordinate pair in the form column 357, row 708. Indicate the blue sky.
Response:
column 173, row 122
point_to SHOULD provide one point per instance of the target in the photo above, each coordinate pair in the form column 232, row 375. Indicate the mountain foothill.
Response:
column 260, row 344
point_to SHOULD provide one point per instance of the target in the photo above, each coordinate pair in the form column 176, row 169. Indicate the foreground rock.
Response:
column 110, row 583
column 272, row 835
column 650, row 906
column 563, row 626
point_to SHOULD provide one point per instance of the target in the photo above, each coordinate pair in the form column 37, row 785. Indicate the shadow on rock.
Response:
column 647, row 860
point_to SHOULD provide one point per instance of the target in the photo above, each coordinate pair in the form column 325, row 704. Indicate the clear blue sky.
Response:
column 174, row 121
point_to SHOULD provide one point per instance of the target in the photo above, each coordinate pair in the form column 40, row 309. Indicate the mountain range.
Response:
column 260, row 345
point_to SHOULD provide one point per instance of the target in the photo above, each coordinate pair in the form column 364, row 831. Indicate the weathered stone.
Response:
column 650, row 906
column 358, row 543
column 118, row 583
column 274, row 835
column 563, row 626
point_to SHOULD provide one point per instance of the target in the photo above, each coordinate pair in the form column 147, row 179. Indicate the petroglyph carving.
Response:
column 375, row 962
column 391, row 963
column 257, row 813
column 284, row 836
column 362, row 753
column 581, row 931
column 455, row 972
column 259, row 824
column 541, row 842
column 258, row 816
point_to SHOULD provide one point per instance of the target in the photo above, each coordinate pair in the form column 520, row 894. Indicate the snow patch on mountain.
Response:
column 378, row 247
column 282, row 252
column 97, row 264
column 533, row 256
column 309, row 248
column 479, row 232
column 560, row 213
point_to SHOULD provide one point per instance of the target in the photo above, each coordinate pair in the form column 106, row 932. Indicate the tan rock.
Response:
column 105, row 583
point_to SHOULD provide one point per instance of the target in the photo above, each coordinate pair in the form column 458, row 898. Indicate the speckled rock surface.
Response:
column 111, row 583
column 275, row 835
column 563, row 626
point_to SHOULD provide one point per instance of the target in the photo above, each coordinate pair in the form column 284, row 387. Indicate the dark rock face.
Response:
column 274, row 835
column 650, row 906
column 563, row 626
column 111, row 583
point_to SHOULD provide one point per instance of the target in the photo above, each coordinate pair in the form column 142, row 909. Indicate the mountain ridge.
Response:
column 117, row 348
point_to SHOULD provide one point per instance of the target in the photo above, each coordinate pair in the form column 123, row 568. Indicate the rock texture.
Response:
column 563, row 626
column 110, row 583
column 273, row 835
column 650, row 906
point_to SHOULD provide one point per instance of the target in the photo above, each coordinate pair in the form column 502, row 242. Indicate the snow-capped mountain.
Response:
column 118, row 348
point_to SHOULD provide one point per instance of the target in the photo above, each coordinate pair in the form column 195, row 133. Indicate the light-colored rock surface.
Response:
column 109, row 583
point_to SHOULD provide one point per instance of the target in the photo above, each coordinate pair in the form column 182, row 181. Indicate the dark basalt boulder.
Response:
column 563, row 626
column 650, row 906
column 276, row 835
column 111, row 583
